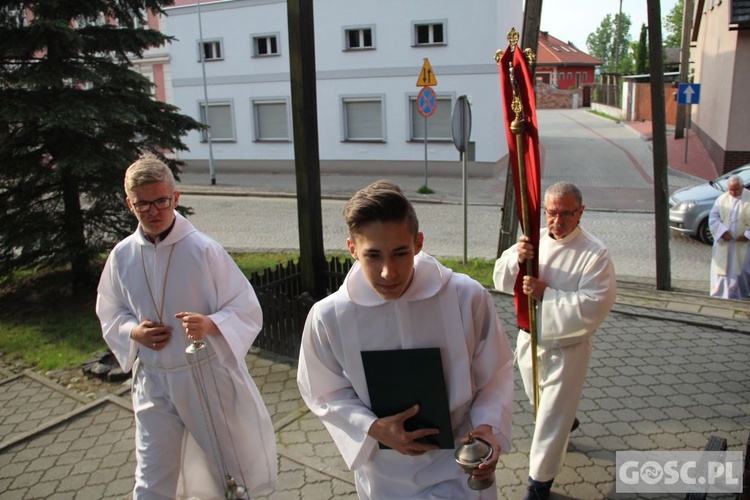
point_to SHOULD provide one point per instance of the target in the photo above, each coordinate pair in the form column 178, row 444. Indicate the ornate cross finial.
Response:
column 513, row 38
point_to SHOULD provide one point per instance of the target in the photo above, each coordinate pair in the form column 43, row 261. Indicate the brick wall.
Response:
column 552, row 98
column 725, row 161
column 734, row 159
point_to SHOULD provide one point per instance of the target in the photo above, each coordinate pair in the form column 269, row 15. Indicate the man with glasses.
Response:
column 729, row 221
column 574, row 292
column 163, row 287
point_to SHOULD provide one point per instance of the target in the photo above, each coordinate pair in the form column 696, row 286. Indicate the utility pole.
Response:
column 617, row 40
column 617, row 57
column 306, row 154
column 532, row 17
column 659, row 128
column 687, row 26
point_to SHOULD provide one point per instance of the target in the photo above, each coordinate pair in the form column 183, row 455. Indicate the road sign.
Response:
column 689, row 93
column 461, row 123
column 426, row 102
column 426, row 76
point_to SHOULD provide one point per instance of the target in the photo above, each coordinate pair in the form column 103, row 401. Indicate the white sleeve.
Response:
column 238, row 314
column 714, row 221
column 506, row 270
column 492, row 370
column 567, row 317
column 116, row 318
column 328, row 392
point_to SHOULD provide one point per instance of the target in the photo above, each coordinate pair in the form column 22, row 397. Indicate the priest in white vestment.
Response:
column 163, row 287
column 397, row 297
column 574, row 292
column 729, row 221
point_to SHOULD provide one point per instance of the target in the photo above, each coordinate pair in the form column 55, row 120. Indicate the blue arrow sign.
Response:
column 689, row 93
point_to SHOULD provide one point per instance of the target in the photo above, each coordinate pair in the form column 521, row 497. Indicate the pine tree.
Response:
column 641, row 54
column 74, row 113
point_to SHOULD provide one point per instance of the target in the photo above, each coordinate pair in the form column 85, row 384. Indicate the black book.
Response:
column 399, row 379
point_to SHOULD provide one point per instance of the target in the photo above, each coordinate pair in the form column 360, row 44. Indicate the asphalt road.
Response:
column 246, row 223
column 611, row 164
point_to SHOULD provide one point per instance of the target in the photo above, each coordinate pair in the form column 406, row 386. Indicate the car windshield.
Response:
column 743, row 172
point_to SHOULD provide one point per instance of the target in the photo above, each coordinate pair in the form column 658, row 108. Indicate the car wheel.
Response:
column 704, row 232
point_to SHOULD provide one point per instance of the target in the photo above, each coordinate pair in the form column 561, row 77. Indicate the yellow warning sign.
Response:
column 426, row 76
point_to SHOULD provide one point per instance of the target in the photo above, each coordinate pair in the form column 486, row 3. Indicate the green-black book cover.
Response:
column 400, row 378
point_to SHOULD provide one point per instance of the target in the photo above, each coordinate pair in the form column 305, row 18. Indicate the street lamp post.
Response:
column 211, row 168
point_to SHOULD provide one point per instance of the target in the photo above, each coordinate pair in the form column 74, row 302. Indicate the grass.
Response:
column 604, row 115
column 44, row 325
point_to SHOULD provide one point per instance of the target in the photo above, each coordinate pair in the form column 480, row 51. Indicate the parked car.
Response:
column 689, row 207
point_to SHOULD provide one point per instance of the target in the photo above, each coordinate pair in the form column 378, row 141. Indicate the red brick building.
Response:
column 562, row 65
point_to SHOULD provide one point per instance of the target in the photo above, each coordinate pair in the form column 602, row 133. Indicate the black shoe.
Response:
column 533, row 493
column 538, row 490
column 576, row 424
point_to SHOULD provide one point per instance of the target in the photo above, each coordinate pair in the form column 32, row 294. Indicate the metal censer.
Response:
column 470, row 456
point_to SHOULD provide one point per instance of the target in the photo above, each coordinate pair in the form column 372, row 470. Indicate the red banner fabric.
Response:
column 530, row 140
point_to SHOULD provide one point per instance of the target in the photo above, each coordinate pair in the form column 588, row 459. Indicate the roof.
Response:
column 553, row 52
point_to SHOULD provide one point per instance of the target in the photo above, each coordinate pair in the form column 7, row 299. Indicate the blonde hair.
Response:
column 147, row 169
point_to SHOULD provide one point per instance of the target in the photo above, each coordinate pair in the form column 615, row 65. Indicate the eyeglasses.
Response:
column 563, row 215
column 160, row 204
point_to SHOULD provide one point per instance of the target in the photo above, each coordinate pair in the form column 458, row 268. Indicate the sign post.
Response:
column 426, row 103
column 688, row 93
column 461, row 128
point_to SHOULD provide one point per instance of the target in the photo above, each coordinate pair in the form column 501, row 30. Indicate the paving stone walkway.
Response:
column 661, row 378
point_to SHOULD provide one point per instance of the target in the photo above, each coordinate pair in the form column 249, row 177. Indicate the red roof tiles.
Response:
column 552, row 52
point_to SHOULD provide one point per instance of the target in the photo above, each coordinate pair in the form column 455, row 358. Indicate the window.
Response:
column 139, row 19
column 439, row 125
column 358, row 38
column 429, row 33
column 13, row 16
column 219, row 121
column 578, row 78
column 266, row 45
column 211, row 50
column 271, row 119
column 363, row 118
column 585, row 76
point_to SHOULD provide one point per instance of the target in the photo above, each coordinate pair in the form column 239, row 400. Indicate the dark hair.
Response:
column 381, row 201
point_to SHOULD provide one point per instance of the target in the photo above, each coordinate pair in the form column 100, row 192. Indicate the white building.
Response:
column 368, row 59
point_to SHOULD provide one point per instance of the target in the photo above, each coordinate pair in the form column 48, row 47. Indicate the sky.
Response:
column 574, row 20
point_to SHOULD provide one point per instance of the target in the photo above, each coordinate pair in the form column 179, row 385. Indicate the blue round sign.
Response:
column 427, row 102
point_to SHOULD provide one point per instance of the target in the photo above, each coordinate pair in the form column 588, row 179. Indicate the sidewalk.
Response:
column 698, row 164
column 660, row 378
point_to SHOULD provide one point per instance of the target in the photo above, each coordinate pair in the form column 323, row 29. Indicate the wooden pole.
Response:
column 509, row 216
column 306, row 155
column 659, row 125
column 687, row 26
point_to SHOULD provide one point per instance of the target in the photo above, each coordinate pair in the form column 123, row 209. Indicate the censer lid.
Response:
column 473, row 453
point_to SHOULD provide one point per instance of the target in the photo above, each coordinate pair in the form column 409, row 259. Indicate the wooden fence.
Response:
column 285, row 306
